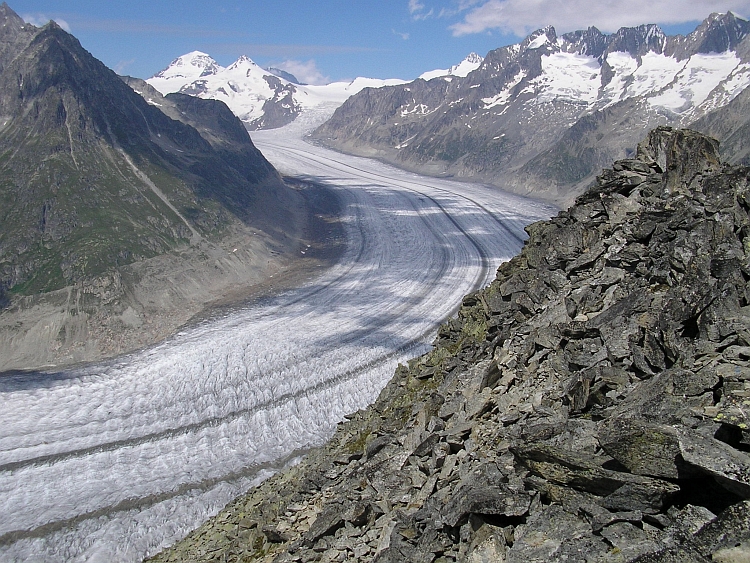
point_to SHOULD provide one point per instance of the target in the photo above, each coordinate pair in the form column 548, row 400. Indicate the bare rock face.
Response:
column 591, row 404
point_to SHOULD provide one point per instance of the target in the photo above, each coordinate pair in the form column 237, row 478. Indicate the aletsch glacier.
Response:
column 113, row 461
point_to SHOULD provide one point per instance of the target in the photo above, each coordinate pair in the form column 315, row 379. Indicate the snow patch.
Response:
column 568, row 76
column 701, row 74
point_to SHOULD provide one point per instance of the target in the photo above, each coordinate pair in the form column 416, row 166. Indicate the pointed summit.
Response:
column 718, row 33
column 15, row 34
column 184, row 70
column 9, row 20
column 244, row 62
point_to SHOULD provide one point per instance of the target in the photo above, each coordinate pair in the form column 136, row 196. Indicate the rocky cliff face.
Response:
column 543, row 116
column 591, row 404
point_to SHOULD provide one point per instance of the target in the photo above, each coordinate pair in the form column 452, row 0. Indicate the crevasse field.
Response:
column 112, row 462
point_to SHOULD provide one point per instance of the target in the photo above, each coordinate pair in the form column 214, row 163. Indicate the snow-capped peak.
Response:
column 541, row 37
column 184, row 70
column 244, row 62
column 462, row 69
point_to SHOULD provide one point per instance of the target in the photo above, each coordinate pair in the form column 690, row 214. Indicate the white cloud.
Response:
column 404, row 36
column 122, row 65
column 417, row 10
column 306, row 72
column 40, row 20
column 415, row 6
column 522, row 16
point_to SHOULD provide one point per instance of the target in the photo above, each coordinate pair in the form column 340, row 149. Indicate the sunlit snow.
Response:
column 568, row 76
column 695, row 81
column 245, row 88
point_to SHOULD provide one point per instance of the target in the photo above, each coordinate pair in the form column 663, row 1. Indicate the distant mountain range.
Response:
column 261, row 98
column 541, row 117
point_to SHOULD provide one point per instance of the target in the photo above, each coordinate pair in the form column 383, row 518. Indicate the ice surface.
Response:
column 111, row 462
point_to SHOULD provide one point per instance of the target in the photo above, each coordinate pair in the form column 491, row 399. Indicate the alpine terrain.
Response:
column 118, row 223
column 590, row 404
column 542, row 116
column 262, row 99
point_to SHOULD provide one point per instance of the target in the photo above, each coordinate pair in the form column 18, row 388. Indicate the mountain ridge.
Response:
column 105, row 198
column 524, row 99
column 261, row 98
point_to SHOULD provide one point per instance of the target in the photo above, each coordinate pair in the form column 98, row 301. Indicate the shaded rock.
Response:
column 730, row 467
column 484, row 492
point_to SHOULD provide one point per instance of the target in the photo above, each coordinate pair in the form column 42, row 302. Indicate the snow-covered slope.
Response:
column 261, row 99
column 542, row 116
column 462, row 69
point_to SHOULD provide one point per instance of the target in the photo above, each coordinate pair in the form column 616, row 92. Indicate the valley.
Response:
column 113, row 461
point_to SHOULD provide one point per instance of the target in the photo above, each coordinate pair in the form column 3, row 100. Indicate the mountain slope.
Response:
column 531, row 110
column 93, row 180
column 589, row 404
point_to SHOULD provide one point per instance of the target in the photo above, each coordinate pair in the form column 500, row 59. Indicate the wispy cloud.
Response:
column 522, row 16
column 419, row 11
column 404, row 36
column 120, row 67
column 40, row 20
column 305, row 71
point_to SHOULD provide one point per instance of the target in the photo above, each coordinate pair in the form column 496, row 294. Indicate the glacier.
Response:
column 114, row 461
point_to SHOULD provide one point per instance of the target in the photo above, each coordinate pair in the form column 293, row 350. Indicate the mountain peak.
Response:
column 471, row 62
column 189, row 64
column 184, row 70
column 243, row 62
column 9, row 20
column 590, row 42
column 719, row 33
column 637, row 41
column 539, row 38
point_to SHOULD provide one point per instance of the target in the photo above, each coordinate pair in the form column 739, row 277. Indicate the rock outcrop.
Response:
column 591, row 404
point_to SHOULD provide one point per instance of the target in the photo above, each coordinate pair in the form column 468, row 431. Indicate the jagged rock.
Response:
column 483, row 499
column 730, row 467
column 644, row 448
column 588, row 405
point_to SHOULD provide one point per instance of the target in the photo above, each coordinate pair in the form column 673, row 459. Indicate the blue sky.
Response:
column 340, row 39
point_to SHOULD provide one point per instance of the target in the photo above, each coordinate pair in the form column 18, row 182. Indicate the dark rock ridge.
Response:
column 591, row 404
column 542, row 117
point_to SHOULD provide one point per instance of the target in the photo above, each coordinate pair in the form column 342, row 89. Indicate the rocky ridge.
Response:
column 591, row 404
